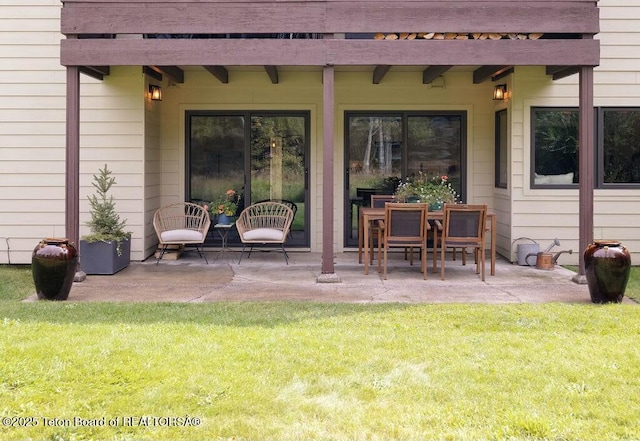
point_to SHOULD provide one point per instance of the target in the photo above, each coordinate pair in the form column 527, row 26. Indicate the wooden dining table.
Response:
column 368, row 215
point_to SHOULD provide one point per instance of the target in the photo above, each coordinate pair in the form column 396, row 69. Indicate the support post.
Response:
column 328, row 117
column 72, row 162
column 586, row 166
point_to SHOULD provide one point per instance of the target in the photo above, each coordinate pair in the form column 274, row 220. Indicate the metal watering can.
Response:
column 544, row 259
column 525, row 250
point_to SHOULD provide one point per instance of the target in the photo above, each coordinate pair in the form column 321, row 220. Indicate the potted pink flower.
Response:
column 225, row 206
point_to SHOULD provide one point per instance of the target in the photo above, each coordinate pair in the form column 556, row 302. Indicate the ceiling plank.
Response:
column 172, row 72
column 220, row 72
column 433, row 72
column 272, row 71
column 379, row 72
column 484, row 73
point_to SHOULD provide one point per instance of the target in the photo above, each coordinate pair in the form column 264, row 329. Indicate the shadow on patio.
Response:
column 265, row 277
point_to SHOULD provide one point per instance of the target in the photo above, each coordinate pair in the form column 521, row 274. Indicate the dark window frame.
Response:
column 600, row 153
column 532, row 156
column 498, row 147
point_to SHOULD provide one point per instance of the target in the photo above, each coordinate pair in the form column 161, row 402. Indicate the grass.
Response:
column 293, row 371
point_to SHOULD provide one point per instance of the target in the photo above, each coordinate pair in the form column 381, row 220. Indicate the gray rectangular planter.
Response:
column 102, row 257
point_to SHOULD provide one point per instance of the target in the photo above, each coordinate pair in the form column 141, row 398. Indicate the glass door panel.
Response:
column 278, row 167
column 434, row 147
column 216, row 156
column 374, row 155
column 265, row 159
column 382, row 148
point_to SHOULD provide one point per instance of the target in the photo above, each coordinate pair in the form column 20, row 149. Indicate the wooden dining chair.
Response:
column 404, row 226
column 377, row 201
column 464, row 226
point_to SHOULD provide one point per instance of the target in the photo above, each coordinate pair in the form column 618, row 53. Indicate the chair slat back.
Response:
column 270, row 214
column 464, row 223
column 182, row 215
column 405, row 223
column 378, row 200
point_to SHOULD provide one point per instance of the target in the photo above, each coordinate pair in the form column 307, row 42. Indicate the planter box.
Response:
column 102, row 257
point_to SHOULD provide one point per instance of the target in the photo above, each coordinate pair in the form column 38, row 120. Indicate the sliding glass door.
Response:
column 262, row 155
column 384, row 148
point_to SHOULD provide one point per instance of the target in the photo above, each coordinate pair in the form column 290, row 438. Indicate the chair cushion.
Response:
column 181, row 235
column 263, row 234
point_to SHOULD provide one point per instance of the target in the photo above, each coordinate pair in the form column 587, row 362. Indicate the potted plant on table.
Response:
column 225, row 206
column 107, row 249
column 434, row 191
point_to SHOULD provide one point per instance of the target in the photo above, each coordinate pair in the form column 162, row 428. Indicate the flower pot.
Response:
column 104, row 258
column 223, row 219
column 607, row 264
column 435, row 206
column 53, row 265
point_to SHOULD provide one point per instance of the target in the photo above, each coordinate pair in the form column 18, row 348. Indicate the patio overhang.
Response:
column 182, row 32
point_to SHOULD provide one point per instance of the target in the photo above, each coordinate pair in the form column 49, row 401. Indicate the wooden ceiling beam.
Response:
column 220, row 72
column 433, row 72
column 379, row 72
column 563, row 73
column 272, row 71
column 97, row 72
column 172, row 72
column 484, row 73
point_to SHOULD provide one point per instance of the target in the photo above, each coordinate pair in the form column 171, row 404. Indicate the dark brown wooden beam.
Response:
column 433, row 72
column 199, row 17
column 272, row 71
column 173, row 72
column 220, row 72
column 550, row 70
column 566, row 72
column 379, row 72
column 152, row 73
column 97, row 72
column 484, row 73
column 503, row 74
column 230, row 52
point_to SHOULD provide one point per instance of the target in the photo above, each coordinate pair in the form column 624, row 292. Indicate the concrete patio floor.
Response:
column 266, row 277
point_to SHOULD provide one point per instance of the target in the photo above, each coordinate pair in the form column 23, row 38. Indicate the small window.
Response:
column 619, row 146
column 501, row 149
column 554, row 147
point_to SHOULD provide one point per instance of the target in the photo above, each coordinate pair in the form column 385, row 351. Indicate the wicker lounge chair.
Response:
column 183, row 223
column 264, row 223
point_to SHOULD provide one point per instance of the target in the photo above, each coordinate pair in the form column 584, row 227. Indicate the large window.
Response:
column 383, row 148
column 619, row 146
column 555, row 147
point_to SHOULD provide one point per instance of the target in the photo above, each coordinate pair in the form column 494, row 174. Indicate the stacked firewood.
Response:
column 455, row 36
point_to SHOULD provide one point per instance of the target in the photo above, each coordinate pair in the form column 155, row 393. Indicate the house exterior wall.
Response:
column 545, row 214
column 143, row 142
column 32, row 127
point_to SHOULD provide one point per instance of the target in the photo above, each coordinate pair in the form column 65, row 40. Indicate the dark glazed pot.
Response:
column 607, row 264
column 53, row 265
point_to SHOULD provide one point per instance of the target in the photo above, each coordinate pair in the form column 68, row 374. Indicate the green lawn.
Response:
column 304, row 371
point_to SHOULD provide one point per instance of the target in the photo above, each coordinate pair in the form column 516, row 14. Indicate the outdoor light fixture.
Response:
column 500, row 92
column 155, row 92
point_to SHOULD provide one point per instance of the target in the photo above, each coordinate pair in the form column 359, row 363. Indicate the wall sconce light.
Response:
column 500, row 92
column 155, row 92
